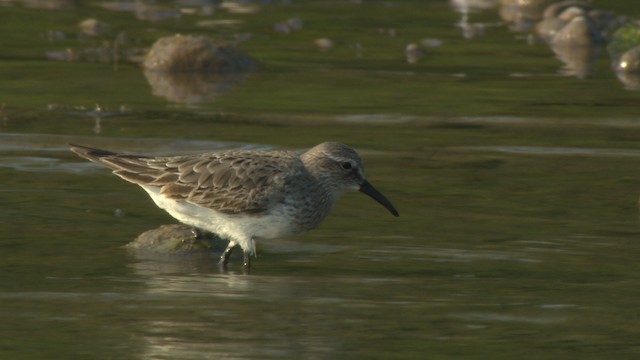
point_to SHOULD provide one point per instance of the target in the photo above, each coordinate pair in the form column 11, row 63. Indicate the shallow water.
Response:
column 517, row 189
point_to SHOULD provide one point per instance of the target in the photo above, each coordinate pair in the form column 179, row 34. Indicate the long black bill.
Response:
column 368, row 189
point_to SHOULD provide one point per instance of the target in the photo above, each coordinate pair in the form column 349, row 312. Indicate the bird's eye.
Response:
column 346, row 165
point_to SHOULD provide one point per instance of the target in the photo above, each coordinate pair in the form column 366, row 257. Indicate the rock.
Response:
column 323, row 43
column 629, row 61
column 170, row 239
column 578, row 46
column 571, row 12
column 413, row 53
column 579, row 61
column 93, row 27
column 554, row 10
column 180, row 53
column 559, row 15
column 630, row 80
column 580, row 31
column 547, row 28
column 189, row 87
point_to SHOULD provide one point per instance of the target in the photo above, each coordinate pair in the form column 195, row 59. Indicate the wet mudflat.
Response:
column 517, row 188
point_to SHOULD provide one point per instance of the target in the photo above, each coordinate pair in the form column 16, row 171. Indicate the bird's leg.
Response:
column 224, row 258
column 246, row 264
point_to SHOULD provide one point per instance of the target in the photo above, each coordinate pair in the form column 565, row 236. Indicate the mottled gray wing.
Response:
column 237, row 182
column 229, row 182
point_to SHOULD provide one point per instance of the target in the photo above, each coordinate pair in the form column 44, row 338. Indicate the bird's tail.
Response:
column 133, row 168
column 92, row 154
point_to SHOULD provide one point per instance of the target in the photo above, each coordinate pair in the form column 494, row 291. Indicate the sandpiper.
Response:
column 245, row 195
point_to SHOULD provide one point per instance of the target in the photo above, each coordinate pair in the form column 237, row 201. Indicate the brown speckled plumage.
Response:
column 285, row 191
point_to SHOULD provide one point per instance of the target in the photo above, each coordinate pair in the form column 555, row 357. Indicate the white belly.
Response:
column 243, row 229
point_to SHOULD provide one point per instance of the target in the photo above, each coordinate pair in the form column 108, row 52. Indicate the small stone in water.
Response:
column 323, row 43
column 93, row 27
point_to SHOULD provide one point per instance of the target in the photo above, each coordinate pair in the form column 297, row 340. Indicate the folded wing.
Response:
column 229, row 182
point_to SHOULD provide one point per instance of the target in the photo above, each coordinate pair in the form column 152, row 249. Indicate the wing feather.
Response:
column 229, row 182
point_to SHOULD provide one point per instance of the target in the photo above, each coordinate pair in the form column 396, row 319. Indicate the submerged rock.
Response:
column 558, row 22
column 413, row 53
column 557, row 16
column 189, row 87
column 93, row 27
column 547, row 28
column 194, row 69
column 580, row 31
column 630, row 80
column 555, row 10
column 578, row 46
column 170, row 239
column 579, row 61
column 185, row 53
column 629, row 61
column 576, row 32
column 572, row 12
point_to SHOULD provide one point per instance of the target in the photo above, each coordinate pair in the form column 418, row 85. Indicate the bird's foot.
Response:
column 224, row 258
